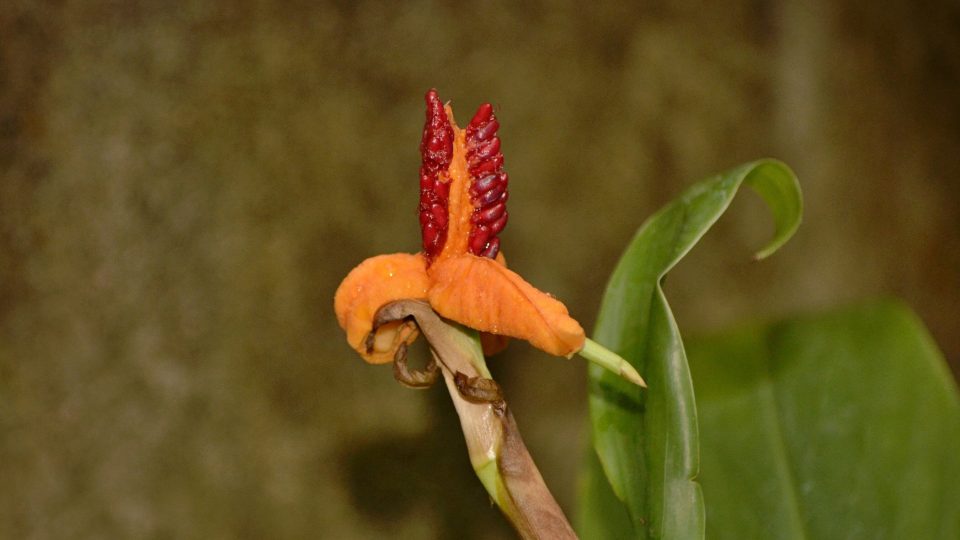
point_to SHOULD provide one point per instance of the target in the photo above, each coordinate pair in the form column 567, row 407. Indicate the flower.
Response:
column 461, row 271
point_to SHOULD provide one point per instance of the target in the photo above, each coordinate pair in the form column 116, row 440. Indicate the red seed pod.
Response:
column 436, row 153
column 488, row 183
column 478, row 238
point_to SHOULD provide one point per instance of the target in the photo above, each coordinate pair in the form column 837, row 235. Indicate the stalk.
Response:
column 496, row 449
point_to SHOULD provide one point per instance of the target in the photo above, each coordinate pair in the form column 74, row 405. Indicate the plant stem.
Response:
column 497, row 452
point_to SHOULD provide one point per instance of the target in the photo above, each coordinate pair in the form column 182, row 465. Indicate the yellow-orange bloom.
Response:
column 461, row 272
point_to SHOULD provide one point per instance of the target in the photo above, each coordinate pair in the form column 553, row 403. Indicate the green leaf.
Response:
column 646, row 441
column 845, row 425
column 600, row 514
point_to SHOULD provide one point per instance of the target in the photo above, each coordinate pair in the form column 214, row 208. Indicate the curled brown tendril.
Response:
column 418, row 379
column 479, row 390
column 472, row 389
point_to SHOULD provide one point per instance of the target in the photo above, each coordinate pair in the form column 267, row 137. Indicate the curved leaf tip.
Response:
column 647, row 444
column 777, row 184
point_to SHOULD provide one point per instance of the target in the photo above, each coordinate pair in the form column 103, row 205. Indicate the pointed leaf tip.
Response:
column 777, row 184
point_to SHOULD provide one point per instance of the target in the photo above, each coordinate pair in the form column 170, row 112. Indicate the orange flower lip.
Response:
column 461, row 271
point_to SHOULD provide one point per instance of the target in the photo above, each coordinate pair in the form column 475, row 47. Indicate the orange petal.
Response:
column 493, row 343
column 374, row 282
column 480, row 293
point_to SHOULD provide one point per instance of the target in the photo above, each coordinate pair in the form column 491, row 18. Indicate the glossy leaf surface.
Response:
column 845, row 425
column 646, row 441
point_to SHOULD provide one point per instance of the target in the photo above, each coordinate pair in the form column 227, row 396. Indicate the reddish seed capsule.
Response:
column 436, row 153
column 430, row 236
column 478, row 239
column 483, row 114
column 488, row 149
column 499, row 224
column 439, row 215
column 487, row 130
column 493, row 247
column 485, row 183
column 491, row 214
column 436, row 144
column 488, row 187
column 483, row 168
column 442, row 189
column 492, row 195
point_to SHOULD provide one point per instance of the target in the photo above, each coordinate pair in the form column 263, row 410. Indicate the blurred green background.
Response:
column 182, row 187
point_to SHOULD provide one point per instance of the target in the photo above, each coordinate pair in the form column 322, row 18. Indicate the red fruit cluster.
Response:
column 436, row 152
column 488, row 183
